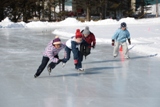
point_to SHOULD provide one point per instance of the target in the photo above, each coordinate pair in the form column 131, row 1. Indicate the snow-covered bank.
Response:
column 145, row 33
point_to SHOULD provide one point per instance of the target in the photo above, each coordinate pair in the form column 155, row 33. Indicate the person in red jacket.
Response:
column 89, row 41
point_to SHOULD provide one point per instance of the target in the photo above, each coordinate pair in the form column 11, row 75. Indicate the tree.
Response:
column 157, row 8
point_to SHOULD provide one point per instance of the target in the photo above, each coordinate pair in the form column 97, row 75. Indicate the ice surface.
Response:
column 107, row 82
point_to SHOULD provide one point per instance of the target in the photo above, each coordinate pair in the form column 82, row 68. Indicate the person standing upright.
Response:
column 119, row 39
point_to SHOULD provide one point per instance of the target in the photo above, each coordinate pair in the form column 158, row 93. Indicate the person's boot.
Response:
column 80, row 69
column 49, row 69
column 35, row 76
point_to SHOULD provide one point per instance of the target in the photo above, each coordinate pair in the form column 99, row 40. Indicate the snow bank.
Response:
column 6, row 23
column 144, row 32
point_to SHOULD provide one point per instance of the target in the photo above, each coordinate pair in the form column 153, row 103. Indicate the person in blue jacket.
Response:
column 119, row 39
column 73, row 45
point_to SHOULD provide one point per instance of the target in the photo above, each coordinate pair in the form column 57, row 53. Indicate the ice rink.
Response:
column 106, row 82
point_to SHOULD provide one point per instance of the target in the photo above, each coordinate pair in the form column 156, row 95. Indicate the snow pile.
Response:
column 144, row 32
column 37, row 24
column 69, row 22
column 129, row 20
column 6, row 23
column 101, row 22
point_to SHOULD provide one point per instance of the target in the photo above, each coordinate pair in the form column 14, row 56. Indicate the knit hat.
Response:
column 87, row 27
column 123, row 24
column 56, row 40
column 86, row 31
column 78, row 34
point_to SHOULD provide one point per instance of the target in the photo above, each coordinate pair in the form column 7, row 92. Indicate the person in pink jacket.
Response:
column 50, row 53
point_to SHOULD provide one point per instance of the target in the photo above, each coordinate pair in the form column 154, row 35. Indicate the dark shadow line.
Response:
column 88, row 71
column 117, row 60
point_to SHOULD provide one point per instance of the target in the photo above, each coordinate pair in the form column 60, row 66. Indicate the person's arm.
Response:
column 74, row 50
column 50, row 55
column 114, row 37
column 128, row 37
column 93, row 41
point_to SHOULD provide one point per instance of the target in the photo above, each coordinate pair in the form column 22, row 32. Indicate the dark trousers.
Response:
column 85, row 50
column 44, row 63
column 67, row 57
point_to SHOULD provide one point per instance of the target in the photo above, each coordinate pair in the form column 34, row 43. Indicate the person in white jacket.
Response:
column 73, row 45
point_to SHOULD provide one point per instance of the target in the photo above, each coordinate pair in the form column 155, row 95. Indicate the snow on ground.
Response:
column 145, row 33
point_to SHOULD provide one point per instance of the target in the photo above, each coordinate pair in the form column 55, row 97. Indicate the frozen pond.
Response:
column 106, row 82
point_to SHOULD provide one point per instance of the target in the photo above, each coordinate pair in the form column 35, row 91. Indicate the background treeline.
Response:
column 44, row 10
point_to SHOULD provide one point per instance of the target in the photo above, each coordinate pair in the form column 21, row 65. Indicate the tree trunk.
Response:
column 142, row 8
column 1, row 14
column 49, row 14
column 63, row 5
column 88, row 14
column 42, row 14
column 157, row 14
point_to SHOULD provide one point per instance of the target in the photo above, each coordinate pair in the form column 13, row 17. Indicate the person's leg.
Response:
column 42, row 66
column 116, row 49
column 52, row 65
column 125, row 50
column 78, row 66
column 82, row 51
column 88, row 50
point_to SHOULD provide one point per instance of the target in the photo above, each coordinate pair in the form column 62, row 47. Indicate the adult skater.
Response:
column 119, row 39
column 73, row 45
column 89, row 41
column 50, row 53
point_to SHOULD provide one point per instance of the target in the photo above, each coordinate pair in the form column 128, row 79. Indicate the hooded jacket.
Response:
column 51, row 51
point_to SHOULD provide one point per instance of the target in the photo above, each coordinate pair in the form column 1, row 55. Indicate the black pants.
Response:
column 44, row 63
column 85, row 50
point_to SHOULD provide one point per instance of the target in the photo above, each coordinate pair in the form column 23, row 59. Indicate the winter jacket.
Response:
column 90, row 39
column 51, row 51
column 121, row 35
column 74, row 46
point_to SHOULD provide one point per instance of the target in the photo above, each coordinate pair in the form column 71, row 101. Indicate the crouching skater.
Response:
column 50, row 53
column 73, row 45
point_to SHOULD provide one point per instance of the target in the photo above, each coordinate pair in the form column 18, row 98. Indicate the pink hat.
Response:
column 56, row 40
column 78, row 34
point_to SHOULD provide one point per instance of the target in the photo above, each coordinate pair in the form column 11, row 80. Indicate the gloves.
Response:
column 60, row 60
column 75, row 61
column 112, row 42
column 93, row 46
column 129, row 41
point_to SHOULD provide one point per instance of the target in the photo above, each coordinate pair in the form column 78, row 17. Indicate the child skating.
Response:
column 89, row 41
column 119, row 39
column 73, row 45
column 50, row 53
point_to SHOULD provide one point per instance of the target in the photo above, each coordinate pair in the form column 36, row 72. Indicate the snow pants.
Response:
column 85, row 50
column 67, row 57
column 43, row 64
column 124, row 47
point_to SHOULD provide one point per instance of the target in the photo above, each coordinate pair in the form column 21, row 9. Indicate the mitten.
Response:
column 93, row 46
column 60, row 60
column 112, row 42
column 75, row 61
column 129, row 41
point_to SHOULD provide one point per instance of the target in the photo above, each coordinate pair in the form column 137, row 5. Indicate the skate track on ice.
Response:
column 106, row 82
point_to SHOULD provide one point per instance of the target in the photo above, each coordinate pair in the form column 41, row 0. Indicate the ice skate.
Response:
column 127, row 57
column 49, row 69
column 35, row 76
column 80, row 69
column 63, row 64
